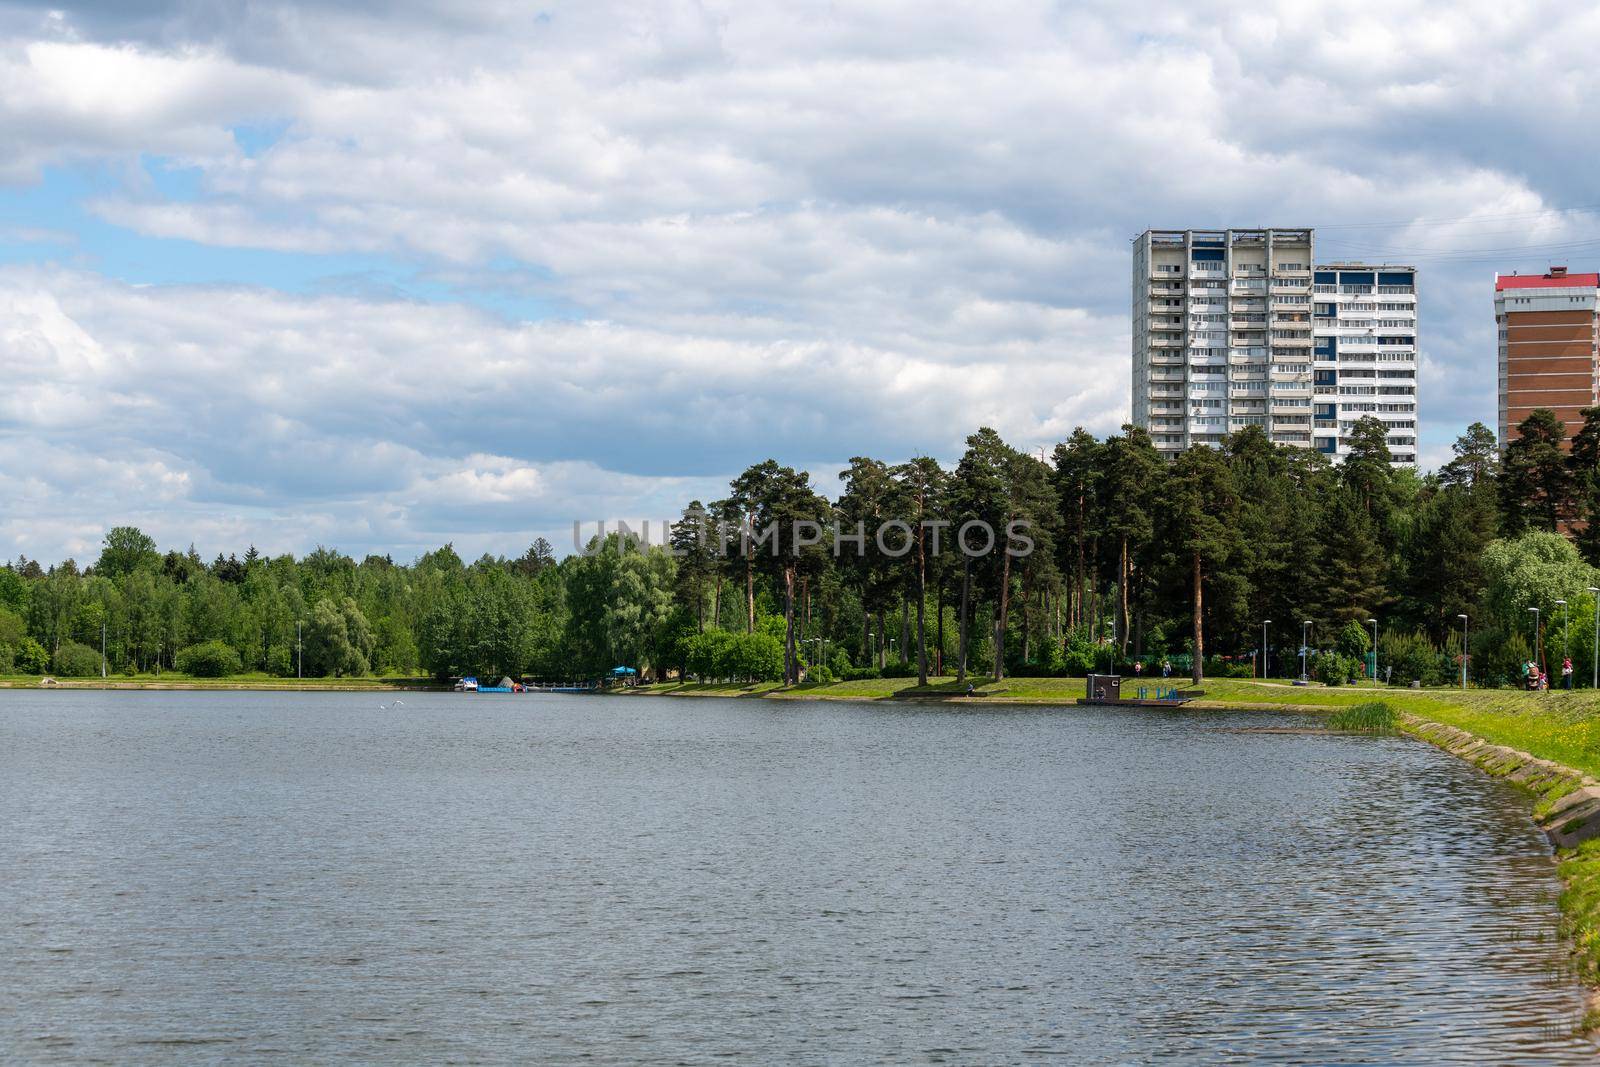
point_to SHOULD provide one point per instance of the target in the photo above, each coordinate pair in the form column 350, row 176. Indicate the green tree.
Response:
column 338, row 641
column 209, row 659
column 1202, row 509
column 125, row 550
column 1352, row 571
column 1535, row 480
column 1584, row 471
column 922, row 484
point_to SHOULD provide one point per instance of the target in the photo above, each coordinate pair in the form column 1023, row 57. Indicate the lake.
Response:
column 207, row 877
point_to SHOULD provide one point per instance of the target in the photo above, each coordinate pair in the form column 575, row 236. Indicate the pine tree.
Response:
column 1583, row 465
column 1201, row 528
column 1535, row 482
column 1353, row 564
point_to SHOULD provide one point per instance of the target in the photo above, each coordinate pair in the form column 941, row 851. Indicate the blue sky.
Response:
column 382, row 276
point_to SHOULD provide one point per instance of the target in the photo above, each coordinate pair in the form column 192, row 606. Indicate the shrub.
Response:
column 73, row 660
column 898, row 668
column 1497, row 659
column 858, row 674
column 1353, row 641
column 29, row 657
column 1331, row 668
column 1412, row 658
column 8, row 656
column 280, row 661
column 209, row 659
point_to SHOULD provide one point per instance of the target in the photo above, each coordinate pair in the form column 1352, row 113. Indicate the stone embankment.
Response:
column 1570, row 810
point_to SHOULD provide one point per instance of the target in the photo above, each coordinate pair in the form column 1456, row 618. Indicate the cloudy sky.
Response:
column 380, row 276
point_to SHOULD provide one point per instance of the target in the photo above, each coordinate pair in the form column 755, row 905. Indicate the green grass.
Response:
column 177, row 680
column 1372, row 717
column 1559, row 726
column 1580, row 906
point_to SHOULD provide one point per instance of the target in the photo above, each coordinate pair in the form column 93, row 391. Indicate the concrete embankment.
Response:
column 1570, row 809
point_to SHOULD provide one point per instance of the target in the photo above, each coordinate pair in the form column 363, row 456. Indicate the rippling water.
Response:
column 242, row 877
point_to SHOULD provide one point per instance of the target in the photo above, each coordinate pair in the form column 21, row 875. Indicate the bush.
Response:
column 858, row 674
column 1331, row 668
column 1412, row 658
column 29, row 657
column 1353, row 641
column 280, row 661
column 73, row 660
column 1218, row 668
column 209, row 659
column 1497, row 659
column 8, row 656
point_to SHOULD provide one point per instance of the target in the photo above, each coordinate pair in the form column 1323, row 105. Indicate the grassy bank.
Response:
column 268, row 682
column 1564, row 727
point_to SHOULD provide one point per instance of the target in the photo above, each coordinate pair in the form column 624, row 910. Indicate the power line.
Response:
column 1462, row 218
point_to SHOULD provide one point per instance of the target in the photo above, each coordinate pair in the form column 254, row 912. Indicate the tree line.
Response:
column 1223, row 560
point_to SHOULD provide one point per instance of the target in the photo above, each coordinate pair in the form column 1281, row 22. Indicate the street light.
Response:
column 1264, row 623
column 1538, row 642
column 1463, row 619
column 1596, row 682
column 1304, row 650
column 299, row 652
column 1374, row 624
column 1566, row 644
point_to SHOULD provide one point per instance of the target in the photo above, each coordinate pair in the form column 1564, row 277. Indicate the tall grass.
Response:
column 1372, row 717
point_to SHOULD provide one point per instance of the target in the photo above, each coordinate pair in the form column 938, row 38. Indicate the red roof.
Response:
column 1546, row 281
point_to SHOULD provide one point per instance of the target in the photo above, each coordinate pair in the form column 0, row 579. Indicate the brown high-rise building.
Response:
column 1549, row 346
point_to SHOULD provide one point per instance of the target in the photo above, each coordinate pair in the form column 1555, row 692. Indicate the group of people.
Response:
column 1166, row 668
column 1537, row 679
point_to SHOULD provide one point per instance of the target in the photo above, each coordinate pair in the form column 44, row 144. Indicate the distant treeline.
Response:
column 1132, row 559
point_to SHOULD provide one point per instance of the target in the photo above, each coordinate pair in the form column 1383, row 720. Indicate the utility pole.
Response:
column 1463, row 619
column 1596, row 682
column 1566, row 644
column 299, row 655
column 1538, row 642
column 1374, row 624
column 102, row 650
column 1264, row 664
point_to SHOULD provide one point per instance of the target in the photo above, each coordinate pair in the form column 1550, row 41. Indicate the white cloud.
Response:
column 791, row 230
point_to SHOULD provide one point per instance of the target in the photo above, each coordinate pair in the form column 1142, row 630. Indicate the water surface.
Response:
column 201, row 877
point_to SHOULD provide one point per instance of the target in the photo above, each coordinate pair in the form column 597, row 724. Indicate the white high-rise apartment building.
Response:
column 1228, row 332
column 1366, row 356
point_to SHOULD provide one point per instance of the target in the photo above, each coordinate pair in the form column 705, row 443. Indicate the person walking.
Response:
column 1166, row 668
column 1566, row 673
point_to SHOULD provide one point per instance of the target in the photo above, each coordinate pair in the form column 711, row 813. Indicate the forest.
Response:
column 1202, row 565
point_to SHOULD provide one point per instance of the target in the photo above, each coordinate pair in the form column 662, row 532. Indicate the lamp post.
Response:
column 1374, row 624
column 299, row 653
column 1538, row 641
column 102, row 650
column 1264, row 664
column 1566, row 645
column 1596, row 682
column 1304, row 650
column 1463, row 619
